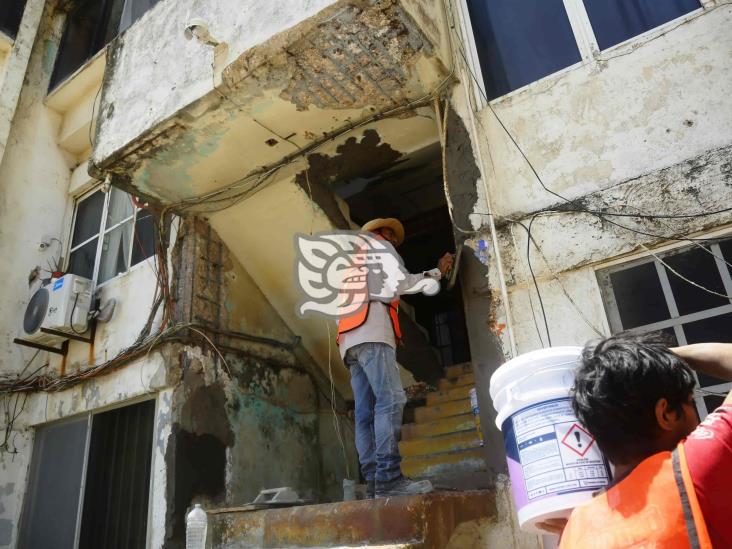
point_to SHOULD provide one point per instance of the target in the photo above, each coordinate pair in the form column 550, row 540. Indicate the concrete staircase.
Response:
column 443, row 444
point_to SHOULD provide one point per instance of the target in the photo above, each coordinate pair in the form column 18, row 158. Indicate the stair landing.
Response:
column 425, row 521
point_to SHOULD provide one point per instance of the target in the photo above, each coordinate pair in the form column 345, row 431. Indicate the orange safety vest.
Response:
column 655, row 506
column 355, row 320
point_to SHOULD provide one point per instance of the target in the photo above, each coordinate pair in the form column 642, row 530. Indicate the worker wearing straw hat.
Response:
column 367, row 341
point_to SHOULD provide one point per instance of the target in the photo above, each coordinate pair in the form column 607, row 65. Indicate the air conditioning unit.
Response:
column 62, row 305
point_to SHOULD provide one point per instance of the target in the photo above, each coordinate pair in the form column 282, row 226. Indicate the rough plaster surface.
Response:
column 158, row 41
column 568, row 240
column 646, row 129
column 273, row 99
column 15, row 66
column 500, row 530
column 31, row 161
column 593, row 127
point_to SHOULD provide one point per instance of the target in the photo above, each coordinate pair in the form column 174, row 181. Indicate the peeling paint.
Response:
column 363, row 158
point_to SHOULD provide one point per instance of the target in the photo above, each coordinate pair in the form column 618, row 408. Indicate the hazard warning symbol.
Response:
column 578, row 440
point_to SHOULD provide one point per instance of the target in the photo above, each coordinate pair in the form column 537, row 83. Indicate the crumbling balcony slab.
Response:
column 253, row 132
column 239, row 107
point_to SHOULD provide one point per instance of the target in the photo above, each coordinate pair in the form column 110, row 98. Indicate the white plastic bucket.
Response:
column 554, row 463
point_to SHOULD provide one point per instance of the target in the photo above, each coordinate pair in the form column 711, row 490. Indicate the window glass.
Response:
column 11, row 12
column 133, row 10
column 615, row 21
column 639, row 296
column 88, row 218
column 115, row 506
column 54, row 485
column 90, row 27
column 81, row 260
column 726, row 247
column 115, row 252
column 521, row 42
column 145, row 234
column 128, row 237
column 700, row 267
column 714, row 401
column 120, row 207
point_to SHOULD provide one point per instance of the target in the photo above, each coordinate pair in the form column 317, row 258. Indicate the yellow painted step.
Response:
column 463, row 461
column 454, row 408
column 445, row 384
column 458, row 393
column 442, row 426
column 439, row 445
column 457, row 370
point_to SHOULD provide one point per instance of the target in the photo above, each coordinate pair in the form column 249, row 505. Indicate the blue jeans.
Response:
column 380, row 399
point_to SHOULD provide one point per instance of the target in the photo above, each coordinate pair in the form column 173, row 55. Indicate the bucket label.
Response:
column 551, row 453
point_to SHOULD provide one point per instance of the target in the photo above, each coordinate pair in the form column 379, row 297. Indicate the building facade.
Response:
column 170, row 150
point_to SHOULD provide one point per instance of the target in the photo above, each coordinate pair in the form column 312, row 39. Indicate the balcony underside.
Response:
column 344, row 95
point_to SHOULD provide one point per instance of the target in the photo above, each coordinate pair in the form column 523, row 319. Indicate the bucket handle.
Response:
column 512, row 385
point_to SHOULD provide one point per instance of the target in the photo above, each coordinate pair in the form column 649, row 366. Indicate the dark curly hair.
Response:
column 616, row 388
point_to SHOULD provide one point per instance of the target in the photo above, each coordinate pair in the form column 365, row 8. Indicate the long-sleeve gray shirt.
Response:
column 377, row 328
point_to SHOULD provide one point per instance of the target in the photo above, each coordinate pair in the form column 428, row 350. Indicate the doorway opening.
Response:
column 434, row 330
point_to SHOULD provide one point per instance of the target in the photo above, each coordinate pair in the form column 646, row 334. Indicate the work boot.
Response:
column 370, row 489
column 403, row 486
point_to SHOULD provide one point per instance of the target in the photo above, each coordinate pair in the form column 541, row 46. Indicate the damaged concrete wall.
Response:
column 643, row 128
column 271, row 96
column 34, row 176
column 158, row 42
column 13, row 65
column 141, row 379
column 257, row 416
column 463, row 180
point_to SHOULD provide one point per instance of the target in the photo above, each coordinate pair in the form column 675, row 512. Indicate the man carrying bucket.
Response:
column 673, row 476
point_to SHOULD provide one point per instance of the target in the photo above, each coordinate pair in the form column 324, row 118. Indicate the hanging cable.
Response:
column 564, row 199
column 682, row 277
column 336, row 423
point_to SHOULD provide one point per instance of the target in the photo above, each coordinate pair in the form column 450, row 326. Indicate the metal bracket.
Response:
column 75, row 337
column 65, row 345
column 62, row 351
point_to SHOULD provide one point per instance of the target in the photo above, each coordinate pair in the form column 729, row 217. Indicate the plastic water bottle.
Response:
column 196, row 526
column 476, row 413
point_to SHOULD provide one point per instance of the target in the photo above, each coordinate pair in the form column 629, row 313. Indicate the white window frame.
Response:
column 584, row 35
column 103, row 231
column 677, row 320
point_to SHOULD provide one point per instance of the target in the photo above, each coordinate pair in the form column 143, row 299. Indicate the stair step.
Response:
column 443, row 426
column 466, row 379
column 427, row 520
column 437, row 445
column 457, row 370
column 453, row 408
column 457, row 393
column 461, row 461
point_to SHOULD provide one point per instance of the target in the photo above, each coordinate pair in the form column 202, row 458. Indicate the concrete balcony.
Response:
column 180, row 118
column 253, row 129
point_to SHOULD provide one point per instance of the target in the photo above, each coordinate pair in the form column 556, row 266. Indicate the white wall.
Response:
column 35, row 203
column 159, row 65
column 598, row 125
column 644, row 127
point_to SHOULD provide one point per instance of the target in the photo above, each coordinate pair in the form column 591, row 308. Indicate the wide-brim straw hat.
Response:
column 394, row 224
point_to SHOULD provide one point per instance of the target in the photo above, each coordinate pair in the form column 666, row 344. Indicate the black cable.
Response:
column 529, row 241
column 71, row 323
column 94, row 106
column 554, row 193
